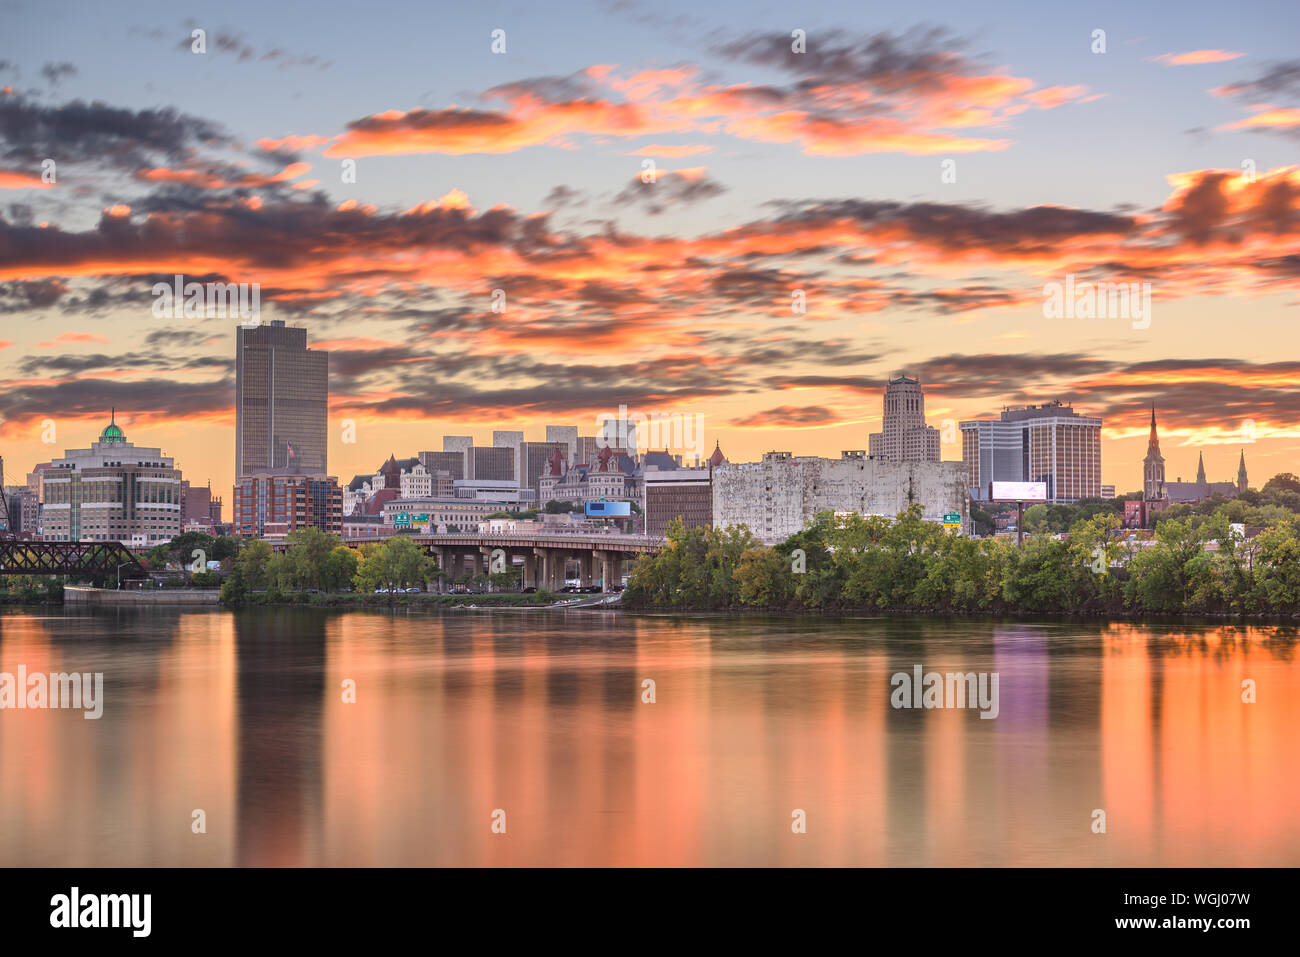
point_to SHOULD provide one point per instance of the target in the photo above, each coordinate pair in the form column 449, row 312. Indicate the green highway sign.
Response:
column 952, row 518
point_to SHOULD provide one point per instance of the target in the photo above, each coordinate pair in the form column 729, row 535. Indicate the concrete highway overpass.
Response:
column 542, row 559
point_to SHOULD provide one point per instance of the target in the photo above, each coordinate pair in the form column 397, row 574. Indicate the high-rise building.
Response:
column 1049, row 443
column 567, row 434
column 281, row 388
column 275, row 503
column 903, row 435
column 24, row 511
column 196, row 504
column 532, row 458
column 589, row 447
column 619, row 434
column 445, row 461
column 112, row 492
column 497, row 463
column 678, row 493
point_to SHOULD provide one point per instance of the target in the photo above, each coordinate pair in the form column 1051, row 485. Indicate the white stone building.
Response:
column 781, row 494
column 416, row 482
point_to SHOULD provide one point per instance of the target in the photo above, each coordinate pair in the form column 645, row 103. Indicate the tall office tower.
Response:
column 567, row 434
column 492, row 463
column 533, row 456
column 589, row 447
column 903, row 435
column 512, row 441
column 991, row 452
column 456, row 443
column 281, row 387
column 452, row 462
column 1049, row 443
column 618, row 434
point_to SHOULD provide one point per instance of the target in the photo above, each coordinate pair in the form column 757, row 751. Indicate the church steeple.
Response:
column 1242, row 482
column 1153, row 466
column 1200, row 469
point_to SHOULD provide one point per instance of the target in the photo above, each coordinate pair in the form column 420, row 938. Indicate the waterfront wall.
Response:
column 77, row 594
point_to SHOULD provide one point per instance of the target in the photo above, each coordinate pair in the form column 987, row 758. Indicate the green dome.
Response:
column 111, row 432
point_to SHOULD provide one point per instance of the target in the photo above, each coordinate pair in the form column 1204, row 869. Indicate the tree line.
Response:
column 316, row 560
column 908, row 564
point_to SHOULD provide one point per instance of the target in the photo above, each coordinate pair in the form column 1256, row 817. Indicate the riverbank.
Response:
column 85, row 595
column 1002, row 614
column 369, row 600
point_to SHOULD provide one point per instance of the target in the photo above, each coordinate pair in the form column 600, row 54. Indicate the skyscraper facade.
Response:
column 1049, row 443
column 281, row 387
column 904, row 436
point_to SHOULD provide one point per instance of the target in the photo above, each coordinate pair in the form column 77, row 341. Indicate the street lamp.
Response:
column 119, row 574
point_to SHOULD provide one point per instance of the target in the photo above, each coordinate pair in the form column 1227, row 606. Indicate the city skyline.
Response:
column 775, row 186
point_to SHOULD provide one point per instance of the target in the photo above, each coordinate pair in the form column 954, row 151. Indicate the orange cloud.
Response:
column 16, row 179
column 72, row 338
column 671, row 152
column 293, row 143
column 1196, row 57
column 830, row 116
column 1054, row 96
column 1285, row 118
column 206, row 179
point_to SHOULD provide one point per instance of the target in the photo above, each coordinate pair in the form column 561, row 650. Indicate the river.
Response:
column 770, row 741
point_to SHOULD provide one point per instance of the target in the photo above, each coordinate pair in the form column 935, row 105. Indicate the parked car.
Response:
column 413, row 590
column 530, row 590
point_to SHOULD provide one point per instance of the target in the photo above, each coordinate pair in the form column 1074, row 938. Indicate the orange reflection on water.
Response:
column 542, row 716
column 1195, row 775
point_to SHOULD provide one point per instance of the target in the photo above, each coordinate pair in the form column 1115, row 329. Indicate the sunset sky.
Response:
column 1171, row 158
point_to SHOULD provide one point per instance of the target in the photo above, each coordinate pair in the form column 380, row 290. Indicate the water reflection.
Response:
column 541, row 716
column 279, row 699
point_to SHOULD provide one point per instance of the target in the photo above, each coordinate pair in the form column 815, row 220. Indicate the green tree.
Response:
column 251, row 564
column 339, row 567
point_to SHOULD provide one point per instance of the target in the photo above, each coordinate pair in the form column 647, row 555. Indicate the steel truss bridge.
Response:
column 68, row 558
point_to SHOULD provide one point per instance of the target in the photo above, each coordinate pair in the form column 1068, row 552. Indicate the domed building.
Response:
column 112, row 492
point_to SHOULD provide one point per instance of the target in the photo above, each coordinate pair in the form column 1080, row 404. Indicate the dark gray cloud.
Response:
column 55, row 73
column 96, row 132
column 668, row 190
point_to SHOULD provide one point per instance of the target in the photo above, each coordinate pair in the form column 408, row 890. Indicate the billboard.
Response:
column 1017, row 491
column 609, row 509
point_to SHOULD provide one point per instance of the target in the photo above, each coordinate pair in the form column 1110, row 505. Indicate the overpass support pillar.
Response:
column 558, row 560
column 440, row 555
column 585, row 564
column 530, row 569
column 610, row 567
